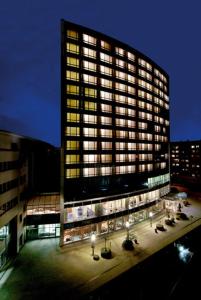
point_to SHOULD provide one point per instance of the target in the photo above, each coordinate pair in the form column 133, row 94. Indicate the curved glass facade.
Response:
column 115, row 126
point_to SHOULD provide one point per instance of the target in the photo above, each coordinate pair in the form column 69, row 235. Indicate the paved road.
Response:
column 44, row 270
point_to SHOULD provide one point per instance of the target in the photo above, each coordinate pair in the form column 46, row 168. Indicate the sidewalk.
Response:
column 44, row 270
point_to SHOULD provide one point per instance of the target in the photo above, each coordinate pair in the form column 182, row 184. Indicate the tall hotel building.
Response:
column 114, row 132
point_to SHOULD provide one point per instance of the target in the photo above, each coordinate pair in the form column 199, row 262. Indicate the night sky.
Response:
column 166, row 31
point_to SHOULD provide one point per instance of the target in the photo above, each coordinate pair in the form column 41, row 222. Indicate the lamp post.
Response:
column 127, row 228
column 93, row 238
column 151, row 215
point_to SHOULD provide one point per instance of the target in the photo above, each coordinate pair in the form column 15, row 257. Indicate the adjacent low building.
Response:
column 28, row 167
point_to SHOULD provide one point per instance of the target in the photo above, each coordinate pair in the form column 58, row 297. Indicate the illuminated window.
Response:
column 72, row 173
column 72, row 75
column 72, row 131
column 72, row 34
column 106, row 171
column 120, row 122
column 89, row 39
column 120, row 157
column 89, row 145
column 131, row 146
column 105, row 45
column 132, row 135
column 120, row 86
column 145, row 74
column 89, row 52
column 131, row 101
column 73, row 117
column 142, row 125
column 105, row 95
column 74, row 62
column 72, row 145
column 106, row 83
column 90, row 158
column 72, row 103
column 121, row 169
column 120, row 63
column 90, row 92
column 131, row 112
column 131, row 169
column 106, row 132
column 90, row 132
column 106, row 158
column 106, row 58
column 131, row 157
column 90, row 119
column 131, row 68
column 131, row 124
column 131, row 90
column 73, row 48
column 72, row 89
column 121, row 134
column 119, row 51
column 131, row 56
column 106, row 108
column 120, row 98
column 89, row 79
column 72, row 159
column 131, row 78
column 89, row 65
column 145, row 64
column 88, row 105
column 106, row 70
column 120, row 110
column 106, row 120
column 87, row 172
column 121, row 75
column 106, row 145
column 120, row 146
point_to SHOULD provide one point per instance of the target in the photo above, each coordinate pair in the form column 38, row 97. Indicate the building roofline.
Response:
column 107, row 37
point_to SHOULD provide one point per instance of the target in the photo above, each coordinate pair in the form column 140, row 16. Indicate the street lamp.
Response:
column 151, row 215
column 93, row 239
column 127, row 228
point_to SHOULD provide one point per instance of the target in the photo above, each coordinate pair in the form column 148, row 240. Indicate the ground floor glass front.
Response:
column 110, row 225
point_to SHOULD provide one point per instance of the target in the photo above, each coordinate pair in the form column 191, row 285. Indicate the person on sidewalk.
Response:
column 156, row 231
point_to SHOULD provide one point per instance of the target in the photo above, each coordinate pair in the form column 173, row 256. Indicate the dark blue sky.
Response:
column 166, row 31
